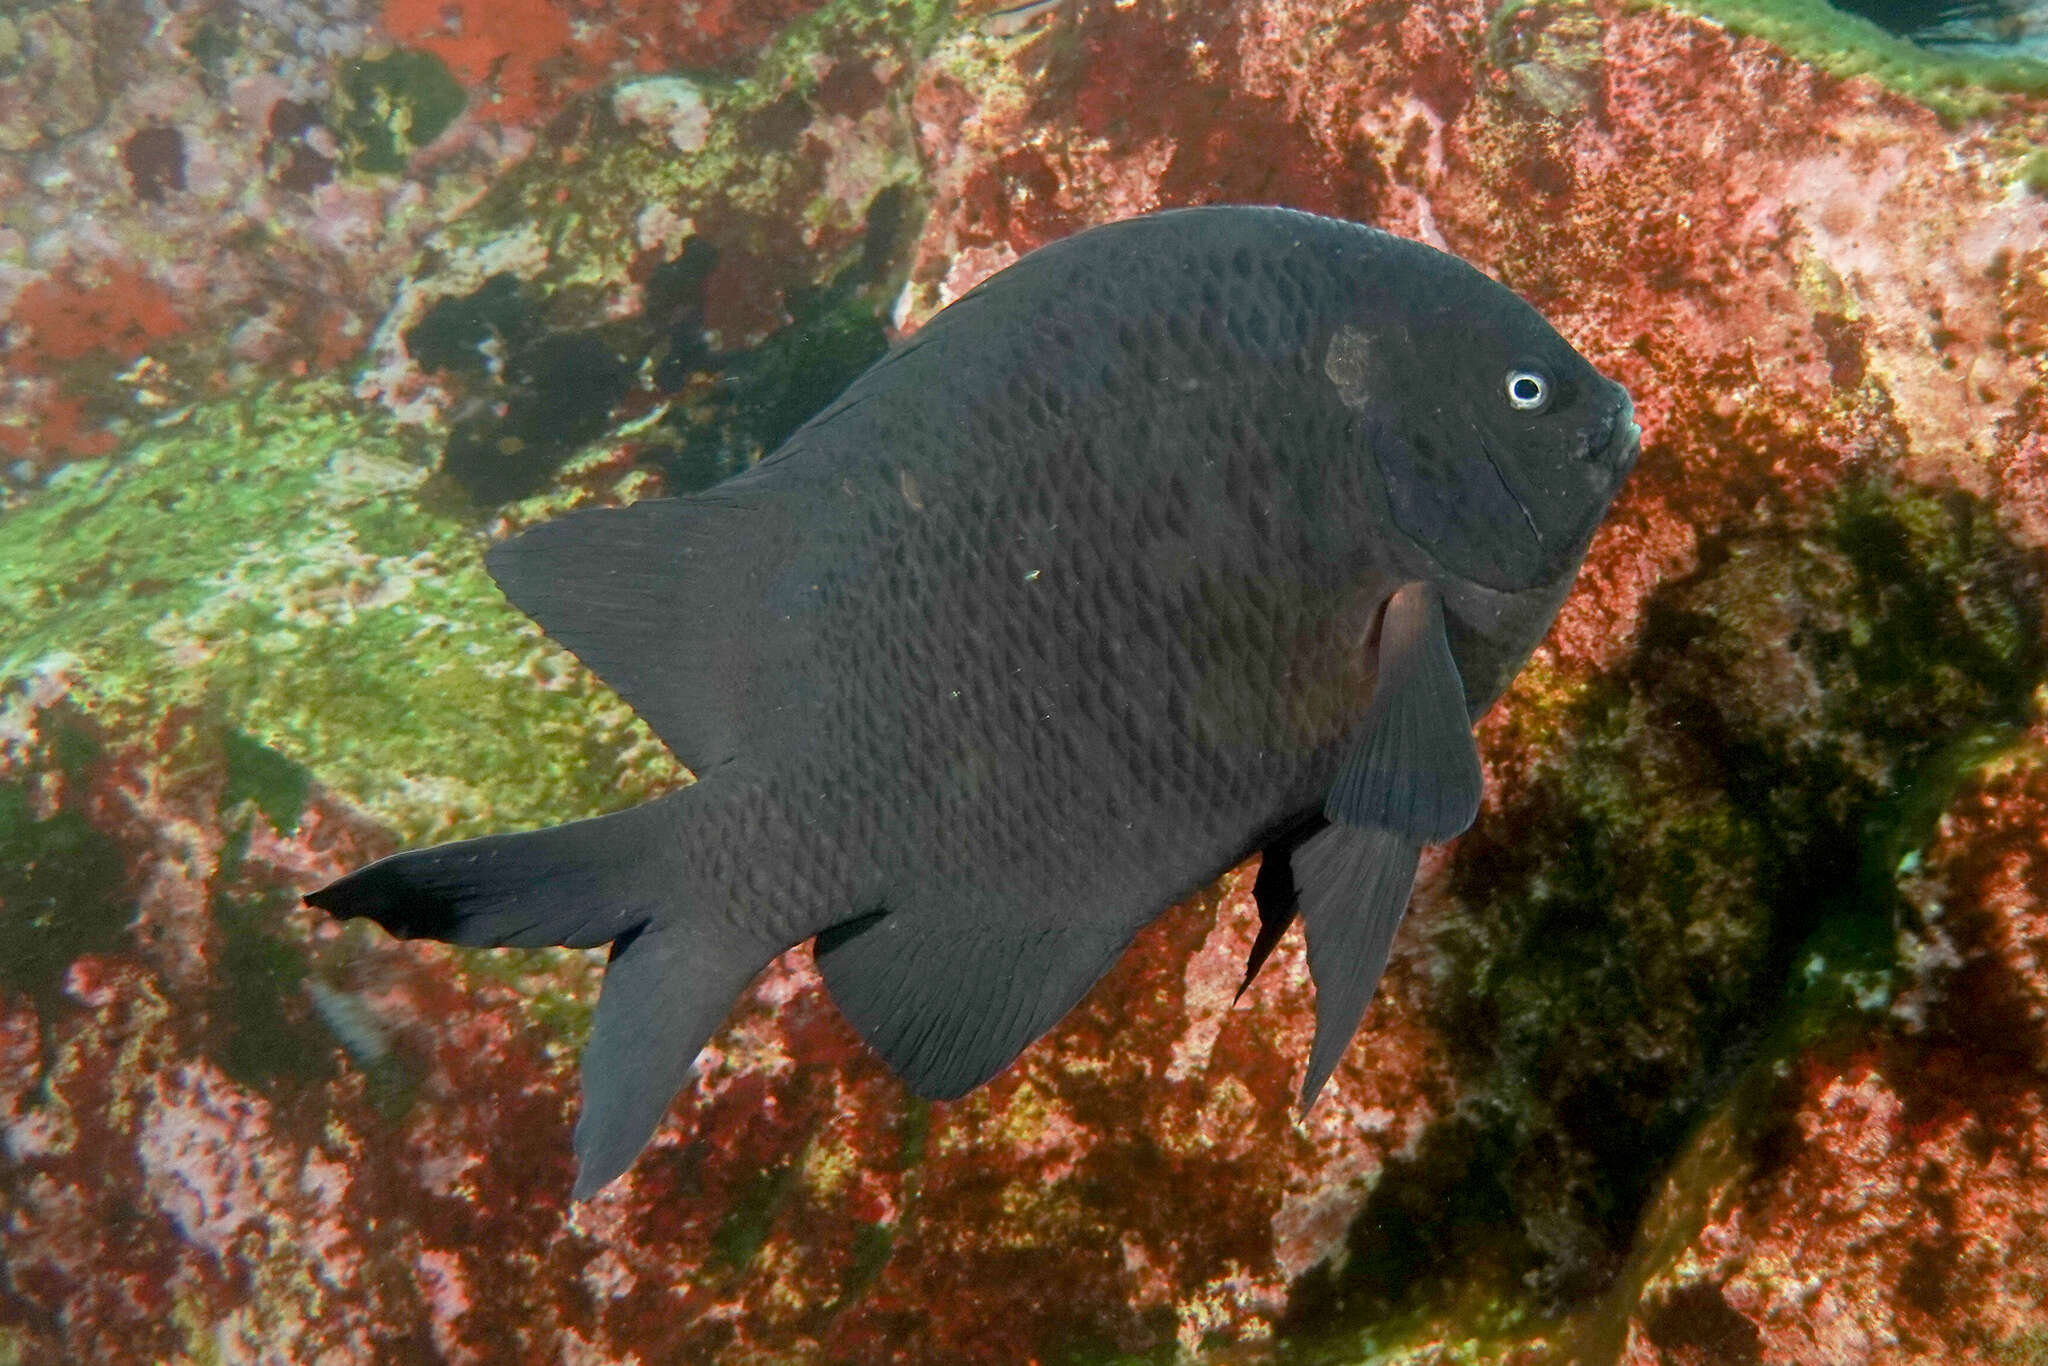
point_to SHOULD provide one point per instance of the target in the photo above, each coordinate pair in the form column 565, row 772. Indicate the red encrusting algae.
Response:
column 102, row 317
column 58, row 319
column 523, row 59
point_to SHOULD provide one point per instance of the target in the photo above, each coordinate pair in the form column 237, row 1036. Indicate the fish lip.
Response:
column 1625, row 441
column 1625, row 446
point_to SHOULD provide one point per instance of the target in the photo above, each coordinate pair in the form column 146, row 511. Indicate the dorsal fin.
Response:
column 663, row 599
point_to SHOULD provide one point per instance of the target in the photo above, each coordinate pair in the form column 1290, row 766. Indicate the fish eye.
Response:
column 1528, row 391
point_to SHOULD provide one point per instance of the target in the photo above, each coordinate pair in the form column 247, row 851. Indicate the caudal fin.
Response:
column 666, row 991
column 673, row 976
column 577, row 885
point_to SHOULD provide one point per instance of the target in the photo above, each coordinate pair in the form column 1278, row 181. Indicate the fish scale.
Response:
column 1194, row 536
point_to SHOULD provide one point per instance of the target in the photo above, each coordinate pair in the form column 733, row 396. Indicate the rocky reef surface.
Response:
column 1722, row 1038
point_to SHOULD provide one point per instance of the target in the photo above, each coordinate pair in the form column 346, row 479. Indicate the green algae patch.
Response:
column 1958, row 85
column 386, row 108
column 266, row 562
column 747, row 1225
column 269, row 1035
column 2029, row 1348
column 773, row 389
column 258, row 774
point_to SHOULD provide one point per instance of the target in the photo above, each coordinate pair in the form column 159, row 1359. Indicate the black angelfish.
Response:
column 1194, row 535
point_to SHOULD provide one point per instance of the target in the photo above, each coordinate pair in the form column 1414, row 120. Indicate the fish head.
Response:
column 1498, row 445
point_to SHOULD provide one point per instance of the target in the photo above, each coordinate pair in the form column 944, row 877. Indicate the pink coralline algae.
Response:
column 1907, row 1222
column 1721, row 1039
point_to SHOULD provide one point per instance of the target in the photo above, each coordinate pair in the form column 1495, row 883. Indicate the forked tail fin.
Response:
column 577, row 885
column 666, row 991
column 674, row 970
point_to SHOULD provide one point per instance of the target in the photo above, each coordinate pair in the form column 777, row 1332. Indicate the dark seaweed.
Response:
column 536, row 395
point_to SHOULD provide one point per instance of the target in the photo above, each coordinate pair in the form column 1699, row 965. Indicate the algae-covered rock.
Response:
column 1847, row 39
column 268, row 563
column 387, row 108
column 711, row 293
column 46, row 57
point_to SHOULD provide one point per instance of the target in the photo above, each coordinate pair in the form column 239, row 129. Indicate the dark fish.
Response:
column 1190, row 536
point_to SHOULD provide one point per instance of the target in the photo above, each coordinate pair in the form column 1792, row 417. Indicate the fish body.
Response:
column 1012, row 20
column 1191, row 536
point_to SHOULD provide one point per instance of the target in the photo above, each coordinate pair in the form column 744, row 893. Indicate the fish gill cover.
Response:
column 1718, row 1039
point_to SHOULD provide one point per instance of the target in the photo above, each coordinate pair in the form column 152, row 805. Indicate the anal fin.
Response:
column 948, row 1002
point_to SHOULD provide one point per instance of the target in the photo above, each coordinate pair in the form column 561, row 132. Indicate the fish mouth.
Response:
column 1625, row 442
column 1611, row 448
column 1624, row 446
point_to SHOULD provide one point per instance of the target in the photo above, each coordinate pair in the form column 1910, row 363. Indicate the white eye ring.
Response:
column 1527, row 390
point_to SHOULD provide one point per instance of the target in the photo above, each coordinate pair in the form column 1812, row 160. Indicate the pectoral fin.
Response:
column 1411, row 767
column 1353, row 885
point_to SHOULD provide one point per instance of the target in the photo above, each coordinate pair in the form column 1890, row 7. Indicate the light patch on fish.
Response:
column 1348, row 364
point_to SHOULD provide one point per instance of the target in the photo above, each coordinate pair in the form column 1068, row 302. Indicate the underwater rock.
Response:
column 522, row 60
column 46, row 54
column 670, row 105
column 1892, row 1203
column 1963, row 58
column 161, row 157
column 1720, row 1039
